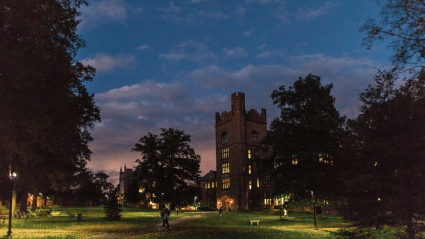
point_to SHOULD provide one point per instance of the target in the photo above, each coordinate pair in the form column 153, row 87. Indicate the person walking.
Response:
column 220, row 211
column 166, row 214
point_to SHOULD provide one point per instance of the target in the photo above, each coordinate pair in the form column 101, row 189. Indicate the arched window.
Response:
column 224, row 138
column 254, row 136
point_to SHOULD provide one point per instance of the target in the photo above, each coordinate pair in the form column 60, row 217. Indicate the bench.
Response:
column 56, row 214
column 256, row 221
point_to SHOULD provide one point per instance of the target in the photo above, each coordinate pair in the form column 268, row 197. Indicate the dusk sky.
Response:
column 164, row 64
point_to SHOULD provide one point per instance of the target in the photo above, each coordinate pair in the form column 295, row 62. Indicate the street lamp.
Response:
column 195, row 201
column 314, row 210
column 160, row 201
column 11, row 175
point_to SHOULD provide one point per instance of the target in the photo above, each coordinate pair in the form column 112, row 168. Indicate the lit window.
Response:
column 206, row 186
column 249, row 153
column 224, row 138
column 294, row 161
column 320, row 160
column 258, row 182
column 226, row 183
column 250, row 185
column 212, row 185
column 376, row 163
column 249, row 169
column 225, row 153
column 254, row 136
column 225, row 168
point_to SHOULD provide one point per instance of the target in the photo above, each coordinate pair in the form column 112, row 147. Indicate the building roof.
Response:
column 205, row 177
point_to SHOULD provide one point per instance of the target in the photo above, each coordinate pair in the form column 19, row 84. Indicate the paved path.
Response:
column 149, row 228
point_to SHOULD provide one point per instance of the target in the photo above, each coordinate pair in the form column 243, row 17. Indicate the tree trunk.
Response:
column 13, row 202
column 34, row 200
column 1, row 206
column 24, row 199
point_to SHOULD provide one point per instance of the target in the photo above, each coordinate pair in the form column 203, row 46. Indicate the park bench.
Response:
column 56, row 214
column 70, row 215
column 256, row 221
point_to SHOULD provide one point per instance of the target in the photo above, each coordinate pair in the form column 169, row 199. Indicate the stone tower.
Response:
column 238, row 134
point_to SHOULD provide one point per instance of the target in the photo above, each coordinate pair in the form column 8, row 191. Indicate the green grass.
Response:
column 268, row 220
column 93, row 223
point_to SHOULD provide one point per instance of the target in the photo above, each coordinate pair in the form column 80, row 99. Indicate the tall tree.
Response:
column 384, row 176
column 403, row 23
column 168, row 165
column 304, row 140
column 46, row 109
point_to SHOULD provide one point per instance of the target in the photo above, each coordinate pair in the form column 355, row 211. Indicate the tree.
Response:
column 168, row 165
column 304, row 141
column 46, row 109
column 384, row 177
column 112, row 209
column 91, row 187
column 402, row 21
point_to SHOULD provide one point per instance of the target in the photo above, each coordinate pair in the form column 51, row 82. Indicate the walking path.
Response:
column 149, row 228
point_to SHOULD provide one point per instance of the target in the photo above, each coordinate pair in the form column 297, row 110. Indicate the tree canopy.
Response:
column 403, row 23
column 46, row 109
column 384, row 183
column 168, row 165
column 303, row 141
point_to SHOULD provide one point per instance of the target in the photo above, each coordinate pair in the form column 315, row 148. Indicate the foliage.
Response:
column 304, row 141
column 91, row 187
column 364, row 233
column 208, row 209
column 133, row 195
column 402, row 21
column 112, row 209
column 168, row 165
column 42, row 211
column 46, row 109
column 383, row 177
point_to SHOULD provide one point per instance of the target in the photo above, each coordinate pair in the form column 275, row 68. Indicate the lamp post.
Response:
column 11, row 175
column 314, row 210
column 160, row 201
column 195, row 201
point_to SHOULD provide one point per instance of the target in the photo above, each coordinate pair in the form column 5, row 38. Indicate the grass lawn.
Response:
column 93, row 223
column 298, row 220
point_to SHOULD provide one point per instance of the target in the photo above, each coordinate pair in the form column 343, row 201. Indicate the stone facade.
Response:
column 238, row 134
column 208, row 184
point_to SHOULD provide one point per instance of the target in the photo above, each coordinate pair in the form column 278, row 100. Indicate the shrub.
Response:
column 207, row 209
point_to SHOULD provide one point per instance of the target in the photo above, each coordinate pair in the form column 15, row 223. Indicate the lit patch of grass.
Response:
column 93, row 223
column 267, row 220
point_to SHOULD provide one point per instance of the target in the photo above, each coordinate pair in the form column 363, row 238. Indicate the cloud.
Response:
column 235, row 52
column 106, row 63
column 268, row 54
column 240, row 12
column 308, row 14
column 98, row 13
column 190, row 103
column 197, row 1
column 213, row 15
column 248, row 33
column 189, row 50
column 143, row 47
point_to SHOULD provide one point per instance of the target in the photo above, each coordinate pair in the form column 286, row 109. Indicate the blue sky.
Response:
column 175, row 63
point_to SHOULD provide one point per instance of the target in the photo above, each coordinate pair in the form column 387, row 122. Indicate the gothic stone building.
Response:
column 238, row 134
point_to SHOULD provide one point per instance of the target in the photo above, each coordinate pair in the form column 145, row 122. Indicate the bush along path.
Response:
column 146, row 229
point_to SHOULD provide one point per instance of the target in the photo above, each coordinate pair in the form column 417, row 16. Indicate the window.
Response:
column 206, row 186
column 294, row 161
column 267, row 181
column 224, row 138
column 250, row 185
column 249, row 154
column 225, row 168
column 254, row 136
column 277, row 162
column 267, row 201
column 226, row 183
column 249, row 169
column 258, row 182
column 225, row 153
